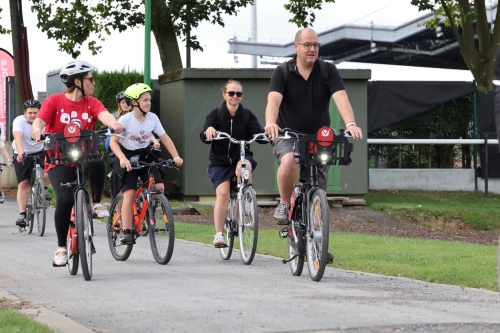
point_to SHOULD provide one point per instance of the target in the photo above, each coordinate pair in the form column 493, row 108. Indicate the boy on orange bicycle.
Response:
column 139, row 124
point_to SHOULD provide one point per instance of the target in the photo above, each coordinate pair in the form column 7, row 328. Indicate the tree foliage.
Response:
column 469, row 22
column 3, row 30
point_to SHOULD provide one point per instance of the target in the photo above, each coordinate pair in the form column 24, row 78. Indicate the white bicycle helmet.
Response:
column 74, row 69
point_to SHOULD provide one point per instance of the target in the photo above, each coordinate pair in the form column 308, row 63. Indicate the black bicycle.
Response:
column 36, row 207
column 308, row 221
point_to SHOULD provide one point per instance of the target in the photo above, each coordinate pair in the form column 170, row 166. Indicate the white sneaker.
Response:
column 219, row 239
column 60, row 261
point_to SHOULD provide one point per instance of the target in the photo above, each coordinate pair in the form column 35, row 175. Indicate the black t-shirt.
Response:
column 305, row 104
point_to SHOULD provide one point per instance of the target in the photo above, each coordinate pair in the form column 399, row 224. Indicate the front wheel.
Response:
column 30, row 217
column 226, row 252
column 317, row 235
column 40, row 207
column 161, row 229
column 115, row 231
column 83, row 223
column 248, row 227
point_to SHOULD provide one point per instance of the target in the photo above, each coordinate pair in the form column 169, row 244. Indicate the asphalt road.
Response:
column 199, row 292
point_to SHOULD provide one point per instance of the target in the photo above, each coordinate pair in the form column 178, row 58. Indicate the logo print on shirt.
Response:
column 66, row 118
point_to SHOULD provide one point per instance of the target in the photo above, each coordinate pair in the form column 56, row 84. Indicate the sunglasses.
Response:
column 237, row 93
column 91, row 79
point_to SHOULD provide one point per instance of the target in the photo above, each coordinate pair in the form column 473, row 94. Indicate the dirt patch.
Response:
column 364, row 220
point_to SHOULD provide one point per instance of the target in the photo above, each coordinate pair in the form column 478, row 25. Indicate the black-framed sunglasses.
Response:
column 237, row 93
column 91, row 79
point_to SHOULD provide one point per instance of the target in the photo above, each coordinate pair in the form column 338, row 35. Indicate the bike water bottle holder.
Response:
column 71, row 150
column 312, row 151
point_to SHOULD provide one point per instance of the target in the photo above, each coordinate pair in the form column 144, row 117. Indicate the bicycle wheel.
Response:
column 248, row 229
column 226, row 252
column 30, row 218
column 83, row 224
column 297, row 264
column 72, row 250
column 317, row 235
column 144, row 223
column 161, row 230
column 40, row 207
column 114, row 228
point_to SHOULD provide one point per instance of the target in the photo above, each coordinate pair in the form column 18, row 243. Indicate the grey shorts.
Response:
column 285, row 146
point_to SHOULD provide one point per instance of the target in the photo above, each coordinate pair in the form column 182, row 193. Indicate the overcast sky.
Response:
column 125, row 50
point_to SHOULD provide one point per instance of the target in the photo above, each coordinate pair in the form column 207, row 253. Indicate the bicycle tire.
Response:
column 161, row 230
column 144, row 223
column 248, row 229
column 83, row 224
column 73, row 258
column 30, row 217
column 226, row 252
column 297, row 264
column 118, row 251
column 40, row 207
column 317, row 236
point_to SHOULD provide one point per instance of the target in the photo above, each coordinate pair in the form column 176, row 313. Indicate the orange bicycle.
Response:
column 152, row 215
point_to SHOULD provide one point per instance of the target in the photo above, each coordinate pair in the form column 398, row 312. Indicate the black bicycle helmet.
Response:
column 120, row 96
column 32, row 103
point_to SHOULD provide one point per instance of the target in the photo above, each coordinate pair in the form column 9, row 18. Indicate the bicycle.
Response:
column 308, row 221
column 150, row 205
column 36, row 205
column 242, row 212
column 77, row 147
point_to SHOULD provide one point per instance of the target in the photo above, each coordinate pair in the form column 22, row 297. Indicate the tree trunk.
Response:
column 14, row 23
column 161, row 25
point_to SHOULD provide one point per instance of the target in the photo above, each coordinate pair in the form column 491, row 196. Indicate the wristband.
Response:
column 347, row 125
column 9, row 161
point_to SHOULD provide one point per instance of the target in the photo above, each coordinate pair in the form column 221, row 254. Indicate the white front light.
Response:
column 324, row 157
column 75, row 154
column 246, row 174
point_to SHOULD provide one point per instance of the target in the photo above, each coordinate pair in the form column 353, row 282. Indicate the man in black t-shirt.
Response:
column 300, row 100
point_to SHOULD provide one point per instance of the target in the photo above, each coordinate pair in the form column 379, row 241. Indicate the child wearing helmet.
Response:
column 25, row 149
column 140, row 123
column 75, row 104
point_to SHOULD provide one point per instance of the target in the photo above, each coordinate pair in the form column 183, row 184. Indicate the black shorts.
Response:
column 130, row 178
column 219, row 174
column 25, row 168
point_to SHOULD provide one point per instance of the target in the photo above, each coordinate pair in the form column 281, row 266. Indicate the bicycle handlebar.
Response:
column 165, row 163
column 223, row 136
column 292, row 134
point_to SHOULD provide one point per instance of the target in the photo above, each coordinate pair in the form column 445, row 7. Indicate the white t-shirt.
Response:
column 137, row 134
column 20, row 124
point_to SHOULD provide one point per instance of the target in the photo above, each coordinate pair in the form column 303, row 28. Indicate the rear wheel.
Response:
column 297, row 264
column 317, row 235
column 114, row 228
column 248, row 229
column 72, row 250
column 83, row 223
column 40, row 207
column 161, row 229
column 226, row 252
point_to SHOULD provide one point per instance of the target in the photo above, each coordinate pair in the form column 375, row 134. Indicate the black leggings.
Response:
column 64, row 174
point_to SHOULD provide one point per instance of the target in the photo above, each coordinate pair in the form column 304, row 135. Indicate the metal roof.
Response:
column 407, row 44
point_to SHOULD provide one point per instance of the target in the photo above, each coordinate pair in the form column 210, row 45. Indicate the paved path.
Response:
column 199, row 292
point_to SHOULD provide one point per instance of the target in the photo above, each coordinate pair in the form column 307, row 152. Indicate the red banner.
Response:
column 6, row 69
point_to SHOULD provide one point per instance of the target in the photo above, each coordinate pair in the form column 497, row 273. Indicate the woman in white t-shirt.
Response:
column 139, row 124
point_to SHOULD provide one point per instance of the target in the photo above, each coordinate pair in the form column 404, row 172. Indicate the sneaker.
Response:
column 281, row 214
column 127, row 239
column 48, row 197
column 2, row 197
column 219, row 240
column 329, row 258
column 60, row 261
column 21, row 220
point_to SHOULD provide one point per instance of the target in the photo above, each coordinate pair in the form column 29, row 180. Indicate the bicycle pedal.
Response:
column 284, row 233
column 220, row 246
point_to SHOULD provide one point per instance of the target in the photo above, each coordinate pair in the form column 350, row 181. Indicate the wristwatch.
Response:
column 9, row 161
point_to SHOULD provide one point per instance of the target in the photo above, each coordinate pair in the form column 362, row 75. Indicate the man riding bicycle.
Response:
column 24, row 151
column 299, row 98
